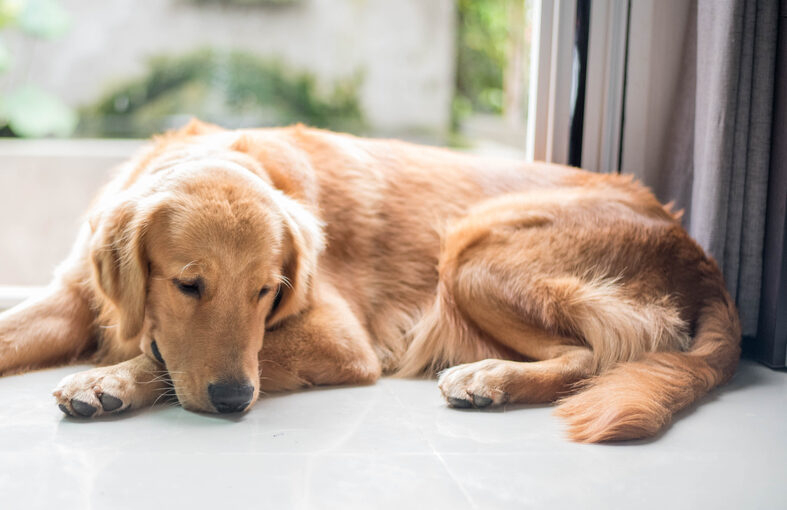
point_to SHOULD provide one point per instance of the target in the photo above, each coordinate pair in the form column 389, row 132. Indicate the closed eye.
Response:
column 156, row 352
column 263, row 292
column 191, row 289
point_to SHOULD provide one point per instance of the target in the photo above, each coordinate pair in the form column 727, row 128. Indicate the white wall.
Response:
column 46, row 187
column 404, row 48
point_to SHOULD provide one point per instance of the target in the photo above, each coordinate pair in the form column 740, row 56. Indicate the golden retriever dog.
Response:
column 220, row 264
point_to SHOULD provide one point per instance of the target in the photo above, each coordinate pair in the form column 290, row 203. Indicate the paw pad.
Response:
column 481, row 401
column 82, row 408
column 110, row 403
column 459, row 402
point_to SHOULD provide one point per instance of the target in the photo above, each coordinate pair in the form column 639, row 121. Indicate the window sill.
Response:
column 45, row 188
column 12, row 295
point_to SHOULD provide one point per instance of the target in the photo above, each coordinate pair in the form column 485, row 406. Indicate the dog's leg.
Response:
column 495, row 382
column 502, row 288
column 558, row 361
column 44, row 331
column 131, row 384
column 324, row 345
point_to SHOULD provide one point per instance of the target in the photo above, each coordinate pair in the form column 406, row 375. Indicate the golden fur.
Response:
column 294, row 257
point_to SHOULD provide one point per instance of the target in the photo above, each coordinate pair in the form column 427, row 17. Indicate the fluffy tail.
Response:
column 637, row 399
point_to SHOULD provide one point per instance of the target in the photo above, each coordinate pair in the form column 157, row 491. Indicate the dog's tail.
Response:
column 637, row 399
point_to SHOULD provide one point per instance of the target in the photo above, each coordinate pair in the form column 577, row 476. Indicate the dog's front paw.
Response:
column 94, row 392
column 474, row 384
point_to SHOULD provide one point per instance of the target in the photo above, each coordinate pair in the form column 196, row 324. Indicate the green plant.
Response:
column 29, row 110
column 482, row 32
column 249, row 3
column 231, row 88
column 493, row 41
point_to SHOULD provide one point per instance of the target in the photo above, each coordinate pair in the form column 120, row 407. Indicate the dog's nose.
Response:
column 230, row 397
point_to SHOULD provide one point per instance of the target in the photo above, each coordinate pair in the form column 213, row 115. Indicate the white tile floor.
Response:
column 392, row 445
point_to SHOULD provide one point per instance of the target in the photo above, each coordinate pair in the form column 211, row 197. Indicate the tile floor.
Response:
column 392, row 445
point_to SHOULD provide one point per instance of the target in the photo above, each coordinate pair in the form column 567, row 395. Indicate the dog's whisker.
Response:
column 184, row 268
column 271, row 361
column 165, row 395
column 285, row 281
column 160, row 377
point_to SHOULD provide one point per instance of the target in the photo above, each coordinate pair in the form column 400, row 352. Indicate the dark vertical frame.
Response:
column 577, row 120
column 771, row 343
column 625, row 87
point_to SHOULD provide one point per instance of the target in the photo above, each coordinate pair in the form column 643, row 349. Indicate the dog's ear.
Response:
column 120, row 265
column 198, row 127
column 303, row 243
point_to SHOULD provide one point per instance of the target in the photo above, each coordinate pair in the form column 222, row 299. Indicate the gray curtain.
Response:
column 717, row 158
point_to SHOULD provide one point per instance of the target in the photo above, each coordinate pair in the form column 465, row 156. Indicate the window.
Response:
column 489, row 76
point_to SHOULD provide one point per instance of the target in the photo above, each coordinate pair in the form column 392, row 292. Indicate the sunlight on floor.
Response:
column 391, row 445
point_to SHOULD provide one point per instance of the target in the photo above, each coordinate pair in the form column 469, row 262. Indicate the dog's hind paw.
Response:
column 473, row 384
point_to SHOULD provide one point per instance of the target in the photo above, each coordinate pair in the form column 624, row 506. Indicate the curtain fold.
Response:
column 717, row 161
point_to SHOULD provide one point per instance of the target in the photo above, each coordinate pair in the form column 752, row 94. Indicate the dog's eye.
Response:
column 193, row 289
column 263, row 292
column 156, row 353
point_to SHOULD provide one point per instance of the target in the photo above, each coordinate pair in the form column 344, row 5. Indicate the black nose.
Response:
column 230, row 397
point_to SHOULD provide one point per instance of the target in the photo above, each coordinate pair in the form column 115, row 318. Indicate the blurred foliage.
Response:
column 27, row 110
column 233, row 89
column 44, row 18
column 255, row 3
column 483, row 35
column 33, row 112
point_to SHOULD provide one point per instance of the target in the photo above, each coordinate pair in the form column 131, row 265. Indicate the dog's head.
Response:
column 197, row 260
